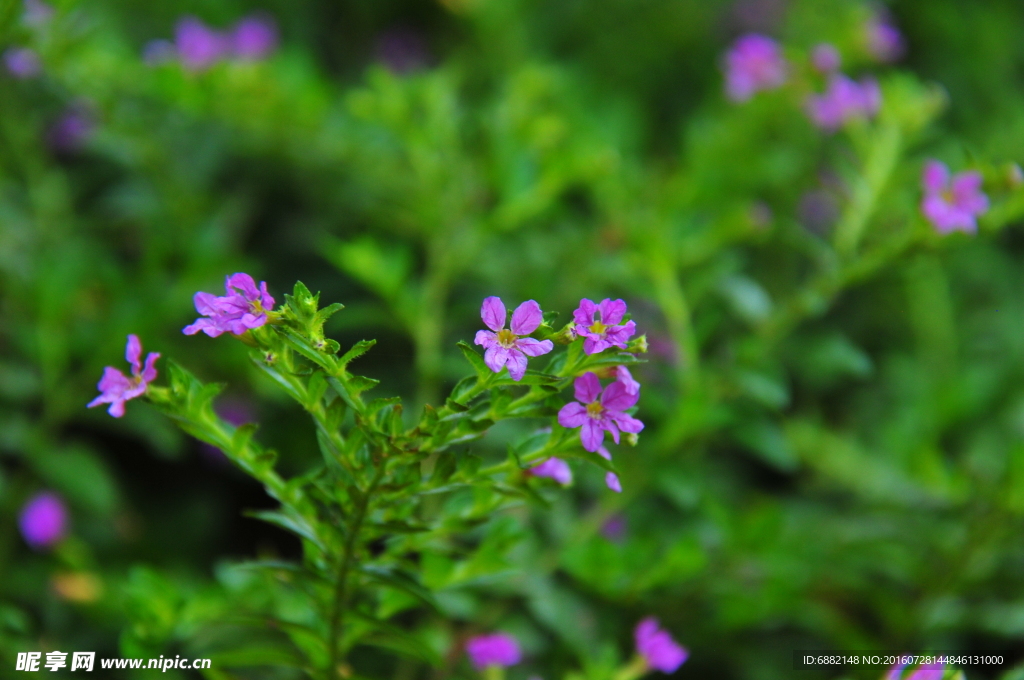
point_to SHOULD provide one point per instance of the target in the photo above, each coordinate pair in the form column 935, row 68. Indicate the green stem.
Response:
column 636, row 668
column 672, row 300
column 341, row 592
column 878, row 169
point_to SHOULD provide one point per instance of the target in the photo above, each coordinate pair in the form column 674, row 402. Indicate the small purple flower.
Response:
column 884, row 40
column 22, row 63
column 198, row 46
column 254, row 37
column 601, row 325
column 43, row 520
column 159, row 51
column 952, row 204
column 754, row 63
column 508, row 347
column 496, row 649
column 37, row 12
column 244, row 307
column 657, row 647
column 844, row 100
column 70, row 131
column 555, row 468
column 825, row 58
column 117, row 388
column 611, row 479
column 596, row 412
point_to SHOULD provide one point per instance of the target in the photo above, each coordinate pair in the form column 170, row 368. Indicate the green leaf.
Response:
column 476, row 361
column 290, row 522
column 357, row 350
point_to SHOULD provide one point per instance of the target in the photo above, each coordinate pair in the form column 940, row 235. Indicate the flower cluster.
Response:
column 754, row 63
column 657, row 647
column 844, row 100
column 243, row 308
column 198, row 47
column 497, row 649
column 952, row 203
column 116, row 388
column 43, row 520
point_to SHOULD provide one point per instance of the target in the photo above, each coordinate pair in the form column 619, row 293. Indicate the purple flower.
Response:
column 70, row 131
column 600, row 325
column 611, row 479
column 596, row 412
column 116, row 388
column 198, row 46
column 884, row 40
column 497, row 649
column 508, row 347
column 754, row 63
column 158, row 52
column 37, row 12
column 657, row 647
column 22, row 63
column 254, row 37
column 825, row 58
column 844, row 100
column 43, row 520
column 952, row 204
column 555, row 468
column 244, row 307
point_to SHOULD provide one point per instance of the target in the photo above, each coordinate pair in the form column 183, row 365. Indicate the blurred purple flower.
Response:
column 601, row 325
column 825, row 58
column 22, row 63
column 884, row 40
column 37, row 12
column 753, row 63
column 818, row 211
column 496, row 649
column 198, row 46
column 158, row 52
column 657, row 647
column 611, row 479
column 508, row 347
column 254, row 37
column 243, row 308
column 931, row 671
column 402, row 50
column 43, row 520
column 952, row 203
column 116, row 388
column 595, row 412
column 844, row 100
column 554, row 468
column 70, row 131
column 614, row 528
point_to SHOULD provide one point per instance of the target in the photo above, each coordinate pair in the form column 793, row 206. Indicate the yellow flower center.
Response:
column 598, row 328
column 595, row 409
column 506, row 338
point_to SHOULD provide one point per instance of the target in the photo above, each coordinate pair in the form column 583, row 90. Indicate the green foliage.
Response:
column 832, row 455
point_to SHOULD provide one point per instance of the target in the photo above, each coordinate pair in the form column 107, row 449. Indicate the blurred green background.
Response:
column 834, row 452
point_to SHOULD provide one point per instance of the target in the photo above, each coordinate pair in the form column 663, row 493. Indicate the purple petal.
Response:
column 612, row 311
column 113, row 380
column 555, row 468
column 244, row 283
column 149, row 373
column 617, row 397
column 133, row 352
column 623, row 376
column 967, row 194
column 584, row 314
column 496, row 357
column 611, row 480
column 207, row 304
column 205, row 325
column 825, row 58
column 496, row 649
column 526, row 318
column 43, row 520
column 620, row 335
column 587, row 387
column 516, row 364
column 603, row 452
column 935, row 177
column 591, row 435
column 486, row 339
column 493, row 313
column 265, row 299
column 625, row 422
column 594, row 344
column 573, row 414
column 116, row 408
column 254, row 37
column 534, row 348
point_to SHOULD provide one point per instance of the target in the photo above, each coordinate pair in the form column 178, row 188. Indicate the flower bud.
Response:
column 638, row 345
column 631, row 438
column 566, row 335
